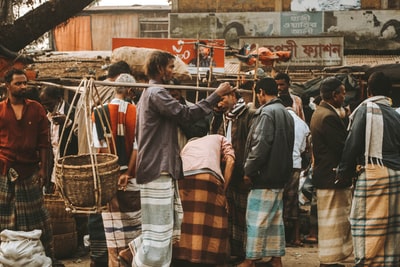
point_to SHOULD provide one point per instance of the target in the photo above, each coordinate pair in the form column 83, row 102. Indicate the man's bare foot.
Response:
column 276, row 262
column 246, row 263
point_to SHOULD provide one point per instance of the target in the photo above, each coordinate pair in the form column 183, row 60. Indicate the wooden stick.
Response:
column 139, row 86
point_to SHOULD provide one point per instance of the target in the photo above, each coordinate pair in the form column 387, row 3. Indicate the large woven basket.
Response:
column 65, row 245
column 56, row 206
column 80, row 188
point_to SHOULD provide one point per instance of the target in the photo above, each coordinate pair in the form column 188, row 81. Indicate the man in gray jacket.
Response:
column 268, row 166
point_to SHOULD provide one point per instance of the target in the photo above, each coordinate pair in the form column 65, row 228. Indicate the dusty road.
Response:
column 306, row 256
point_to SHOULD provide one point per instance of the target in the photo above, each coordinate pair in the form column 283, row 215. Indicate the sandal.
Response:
column 264, row 264
column 310, row 240
column 295, row 244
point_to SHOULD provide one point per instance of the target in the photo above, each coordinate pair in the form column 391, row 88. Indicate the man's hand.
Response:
column 59, row 119
column 247, row 182
column 224, row 89
column 41, row 177
column 123, row 181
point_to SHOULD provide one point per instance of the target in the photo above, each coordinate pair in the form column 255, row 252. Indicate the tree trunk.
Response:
column 6, row 12
column 38, row 21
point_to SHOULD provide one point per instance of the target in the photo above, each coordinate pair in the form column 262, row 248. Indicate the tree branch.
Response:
column 39, row 21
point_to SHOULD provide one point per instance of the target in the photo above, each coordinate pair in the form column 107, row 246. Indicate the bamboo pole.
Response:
column 137, row 85
column 255, row 75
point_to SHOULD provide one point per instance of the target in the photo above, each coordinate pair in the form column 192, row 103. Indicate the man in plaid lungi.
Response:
column 268, row 166
column 24, row 141
column 121, row 222
column 207, row 165
column 374, row 143
column 159, row 165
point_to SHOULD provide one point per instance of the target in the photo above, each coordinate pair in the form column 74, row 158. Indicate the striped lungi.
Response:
column 334, row 237
column 122, row 223
column 265, row 229
column 22, row 209
column 204, row 236
column 97, row 238
column 161, row 223
column 375, row 217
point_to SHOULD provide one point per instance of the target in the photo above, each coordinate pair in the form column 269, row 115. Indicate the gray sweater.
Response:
column 158, row 114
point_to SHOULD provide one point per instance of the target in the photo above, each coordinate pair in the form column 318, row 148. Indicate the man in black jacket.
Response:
column 268, row 166
column 232, row 118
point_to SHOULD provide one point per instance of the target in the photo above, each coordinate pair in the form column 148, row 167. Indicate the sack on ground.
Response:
column 19, row 248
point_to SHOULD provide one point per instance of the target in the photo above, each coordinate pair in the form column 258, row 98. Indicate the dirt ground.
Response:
column 306, row 256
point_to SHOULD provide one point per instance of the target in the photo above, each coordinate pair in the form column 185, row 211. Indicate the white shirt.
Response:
column 301, row 131
column 55, row 128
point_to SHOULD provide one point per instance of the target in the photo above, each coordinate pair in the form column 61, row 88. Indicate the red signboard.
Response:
column 183, row 48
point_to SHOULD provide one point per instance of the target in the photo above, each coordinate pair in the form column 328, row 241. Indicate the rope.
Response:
column 86, row 90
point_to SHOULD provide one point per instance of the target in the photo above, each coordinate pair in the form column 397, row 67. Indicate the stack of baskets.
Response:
column 64, row 227
column 87, row 182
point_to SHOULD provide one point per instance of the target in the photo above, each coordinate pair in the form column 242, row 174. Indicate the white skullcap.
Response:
column 125, row 78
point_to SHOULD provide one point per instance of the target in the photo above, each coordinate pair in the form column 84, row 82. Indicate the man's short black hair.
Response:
column 9, row 74
column 155, row 61
column 268, row 85
column 379, row 84
column 118, row 68
column 282, row 76
column 52, row 92
column 328, row 86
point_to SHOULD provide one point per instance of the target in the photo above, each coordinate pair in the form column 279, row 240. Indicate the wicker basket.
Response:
column 56, row 206
column 63, row 226
column 74, row 176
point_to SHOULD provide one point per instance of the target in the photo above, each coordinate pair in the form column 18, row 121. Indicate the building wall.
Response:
column 106, row 26
column 372, row 4
column 187, row 6
column 377, row 30
column 102, row 24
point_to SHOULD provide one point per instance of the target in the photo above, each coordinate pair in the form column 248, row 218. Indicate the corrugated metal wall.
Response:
column 108, row 26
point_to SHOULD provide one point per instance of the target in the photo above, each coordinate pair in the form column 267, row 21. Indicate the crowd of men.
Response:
column 213, row 183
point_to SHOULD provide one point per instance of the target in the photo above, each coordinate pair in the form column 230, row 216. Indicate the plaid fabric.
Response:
column 375, row 217
column 265, row 229
column 334, row 238
column 115, row 115
column 237, row 203
column 22, row 209
column 122, row 223
column 291, row 197
column 204, row 237
column 161, row 223
column 121, row 228
column 98, row 244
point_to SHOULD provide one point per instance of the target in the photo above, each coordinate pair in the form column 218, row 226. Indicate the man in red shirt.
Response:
column 24, row 140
